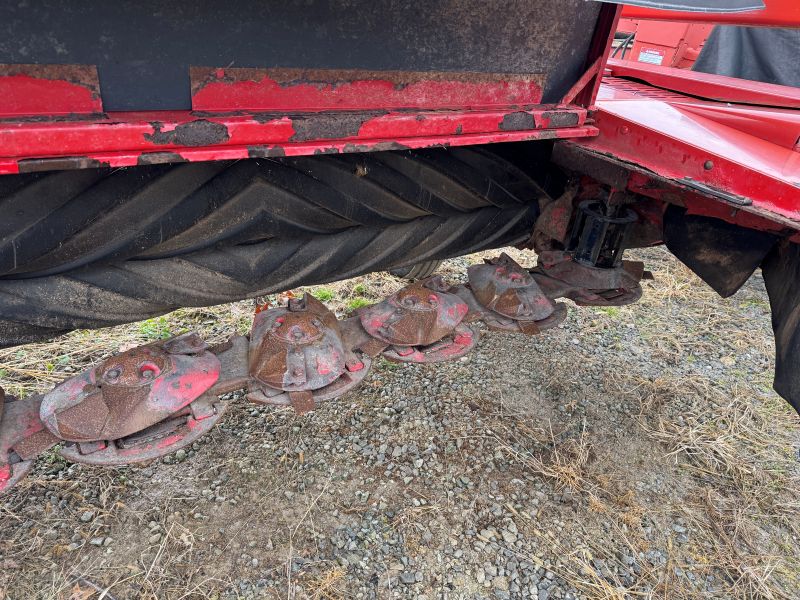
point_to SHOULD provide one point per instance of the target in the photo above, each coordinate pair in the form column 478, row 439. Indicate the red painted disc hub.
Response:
column 420, row 314
column 131, row 391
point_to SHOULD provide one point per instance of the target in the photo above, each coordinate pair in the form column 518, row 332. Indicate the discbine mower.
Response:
column 139, row 177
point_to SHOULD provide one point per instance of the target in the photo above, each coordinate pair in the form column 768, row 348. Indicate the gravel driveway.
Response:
column 633, row 452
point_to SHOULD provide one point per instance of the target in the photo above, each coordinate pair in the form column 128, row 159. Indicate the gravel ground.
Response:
column 633, row 452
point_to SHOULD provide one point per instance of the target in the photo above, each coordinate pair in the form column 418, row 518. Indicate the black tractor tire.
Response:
column 417, row 271
column 100, row 247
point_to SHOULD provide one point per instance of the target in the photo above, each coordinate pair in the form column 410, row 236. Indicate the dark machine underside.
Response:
column 143, row 50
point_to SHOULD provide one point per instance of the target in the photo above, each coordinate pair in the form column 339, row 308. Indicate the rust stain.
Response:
column 60, row 118
column 194, row 133
column 378, row 147
column 329, row 150
column 158, row 158
column 559, row 118
column 82, row 75
column 330, row 126
column 517, row 121
column 265, row 151
column 34, row 165
column 315, row 90
column 287, row 77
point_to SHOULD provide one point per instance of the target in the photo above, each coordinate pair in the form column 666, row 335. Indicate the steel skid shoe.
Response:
column 505, row 296
column 138, row 405
column 22, row 437
column 559, row 276
column 298, row 358
column 421, row 323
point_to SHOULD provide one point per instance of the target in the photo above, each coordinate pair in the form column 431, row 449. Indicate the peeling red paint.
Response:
column 319, row 90
column 31, row 90
column 127, row 139
column 235, row 152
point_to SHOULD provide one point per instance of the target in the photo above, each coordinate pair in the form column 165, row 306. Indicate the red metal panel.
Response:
column 34, row 90
column 669, row 44
column 727, row 155
column 318, row 90
column 777, row 13
column 160, row 131
column 705, row 85
column 627, row 25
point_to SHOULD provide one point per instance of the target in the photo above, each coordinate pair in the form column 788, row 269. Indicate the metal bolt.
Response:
column 113, row 374
column 708, row 165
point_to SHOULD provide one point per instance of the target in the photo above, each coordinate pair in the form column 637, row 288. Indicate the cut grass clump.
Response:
column 323, row 294
column 156, row 329
column 357, row 303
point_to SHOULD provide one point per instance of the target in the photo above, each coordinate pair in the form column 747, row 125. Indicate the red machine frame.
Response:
column 723, row 139
column 51, row 117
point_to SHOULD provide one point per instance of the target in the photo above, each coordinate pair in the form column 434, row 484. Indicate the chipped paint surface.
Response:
column 33, row 90
column 200, row 132
column 129, row 159
column 266, row 113
column 517, row 121
column 127, row 139
column 216, row 89
column 32, row 165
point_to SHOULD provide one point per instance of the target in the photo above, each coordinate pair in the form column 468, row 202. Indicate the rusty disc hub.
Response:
column 296, row 348
column 497, row 322
column 420, row 314
column 505, row 288
column 560, row 276
column 304, row 401
column 131, row 391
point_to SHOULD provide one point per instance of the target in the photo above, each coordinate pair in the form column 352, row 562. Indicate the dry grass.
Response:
column 734, row 439
column 735, row 447
column 327, row 585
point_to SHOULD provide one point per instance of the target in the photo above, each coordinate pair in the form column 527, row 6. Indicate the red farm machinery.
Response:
column 185, row 154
